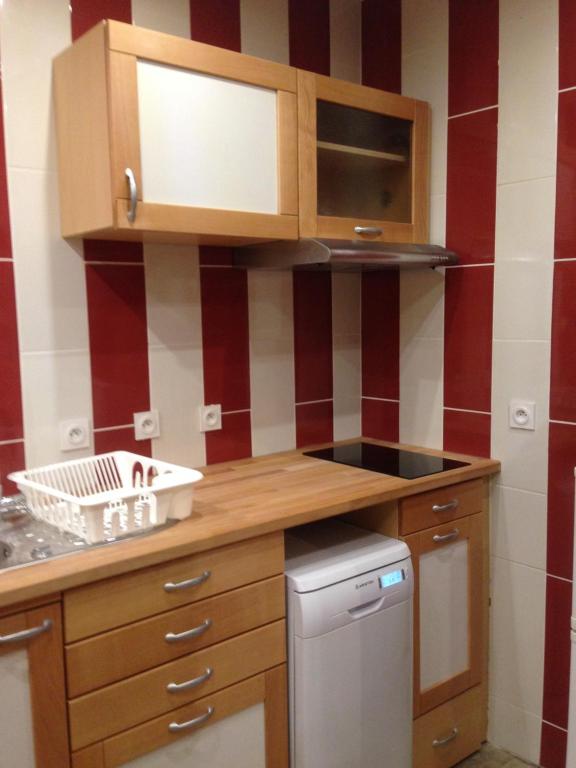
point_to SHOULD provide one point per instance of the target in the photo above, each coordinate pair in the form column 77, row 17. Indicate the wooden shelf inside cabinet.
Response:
column 375, row 154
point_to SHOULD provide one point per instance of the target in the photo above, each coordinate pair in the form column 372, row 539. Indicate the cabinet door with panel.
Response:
column 33, row 726
column 363, row 162
column 168, row 139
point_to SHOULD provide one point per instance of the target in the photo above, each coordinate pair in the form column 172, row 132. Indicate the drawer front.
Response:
column 451, row 732
column 124, row 652
column 112, row 603
column 440, row 506
column 150, row 694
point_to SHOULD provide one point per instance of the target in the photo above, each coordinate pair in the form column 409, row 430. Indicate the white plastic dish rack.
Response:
column 103, row 497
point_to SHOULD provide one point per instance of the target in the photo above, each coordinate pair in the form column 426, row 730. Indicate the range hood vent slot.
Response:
column 341, row 255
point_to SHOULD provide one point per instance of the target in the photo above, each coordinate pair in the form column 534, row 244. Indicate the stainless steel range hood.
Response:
column 341, row 255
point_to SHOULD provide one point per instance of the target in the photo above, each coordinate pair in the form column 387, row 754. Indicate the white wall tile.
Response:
column 520, row 370
column 49, row 271
column 170, row 16
column 424, row 25
column 346, row 299
column 527, row 89
column 32, row 32
column 272, row 390
column 517, row 634
column 438, row 219
column 177, row 390
column 346, row 40
column 518, row 526
column 525, row 220
column 264, row 29
column 421, row 305
column 523, row 300
column 515, row 730
column 347, row 386
column 55, row 386
column 173, row 295
column 422, row 392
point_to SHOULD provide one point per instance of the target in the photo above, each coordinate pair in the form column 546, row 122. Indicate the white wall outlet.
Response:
column 209, row 417
column 522, row 414
column 146, row 425
column 74, row 434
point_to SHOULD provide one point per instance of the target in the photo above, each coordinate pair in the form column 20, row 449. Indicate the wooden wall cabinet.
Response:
column 33, row 724
column 162, row 138
column 363, row 162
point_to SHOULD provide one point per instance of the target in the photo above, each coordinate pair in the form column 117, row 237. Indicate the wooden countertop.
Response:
column 235, row 501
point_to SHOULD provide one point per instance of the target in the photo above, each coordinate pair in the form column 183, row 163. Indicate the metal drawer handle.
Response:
column 171, row 637
column 446, row 739
column 26, row 634
column 170, row 586
column 368, row 230
column 194, row 683
column 454, row 504
column 177, row 727
column 131, row 215
column 447, row 536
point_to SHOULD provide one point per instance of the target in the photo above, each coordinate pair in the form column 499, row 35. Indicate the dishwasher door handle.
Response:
column 367, row 608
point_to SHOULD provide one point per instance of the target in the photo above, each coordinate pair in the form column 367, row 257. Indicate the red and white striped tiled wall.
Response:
column 104, row 329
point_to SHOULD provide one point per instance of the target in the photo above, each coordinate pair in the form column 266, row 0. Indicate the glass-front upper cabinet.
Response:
column 363, row 162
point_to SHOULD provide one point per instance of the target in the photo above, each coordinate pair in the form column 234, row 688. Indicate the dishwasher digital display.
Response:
column 389, row 579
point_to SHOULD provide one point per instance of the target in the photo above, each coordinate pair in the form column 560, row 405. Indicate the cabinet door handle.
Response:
column 454, row 504
column 26, row 634
column 177, row 727
column 446, row 536
column 171, row 637
column 171, row 586
column 194, row 683
column 368, row 230
column 446, row 739
column 131, row 215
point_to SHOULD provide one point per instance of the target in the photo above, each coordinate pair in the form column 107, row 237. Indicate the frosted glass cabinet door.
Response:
column 449, row 609
column 33, row 730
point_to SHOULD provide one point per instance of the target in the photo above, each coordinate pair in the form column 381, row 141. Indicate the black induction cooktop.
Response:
column 386, row 460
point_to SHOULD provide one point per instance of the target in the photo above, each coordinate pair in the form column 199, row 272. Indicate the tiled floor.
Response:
column 490, row 757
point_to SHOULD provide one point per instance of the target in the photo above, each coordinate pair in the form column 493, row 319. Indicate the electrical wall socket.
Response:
column 74, row 434
column 522, row 414
column 209, row 418
column 146, row 425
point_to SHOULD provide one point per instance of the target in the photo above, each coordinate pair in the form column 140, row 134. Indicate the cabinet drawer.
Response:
column 130, row 702
column 440, row 506
column 124, row 652
column 451, row 732
column 112, row 603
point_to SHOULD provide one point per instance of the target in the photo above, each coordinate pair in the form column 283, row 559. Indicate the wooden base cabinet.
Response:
column 33, row 725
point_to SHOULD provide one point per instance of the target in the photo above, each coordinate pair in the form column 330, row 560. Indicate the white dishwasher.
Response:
column 349, row 599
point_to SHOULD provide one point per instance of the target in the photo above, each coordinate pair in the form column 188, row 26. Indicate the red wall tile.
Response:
column 121, row 440
column 473, row 55
column 225, row 337
column 381, row 335
column 216, row 22
column 314, row 423
column 233, row 441
column 313, row 335
column 87, row 13
column 563, row 364
column 10, row 398
column 567, row 36
column 381, row 44
column 471, row 186
column 11, row 460
column 309, row 33
column 118, row 343
column 467, row 433
column 468, row 338
column 553, row 749
column 561, row 463
column 216, row 256
column 110, row 250
column 381, row 419
column 565, row 235
column 557, row 653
